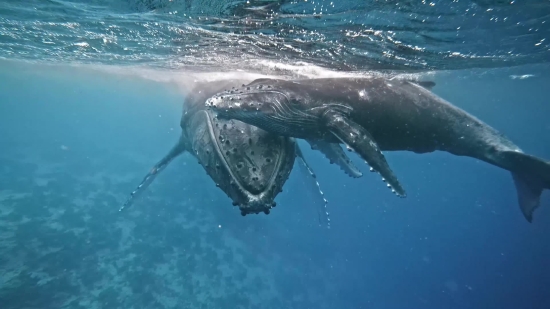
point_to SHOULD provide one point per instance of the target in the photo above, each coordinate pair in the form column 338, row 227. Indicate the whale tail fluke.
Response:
column 531, row 176
column 529, row 191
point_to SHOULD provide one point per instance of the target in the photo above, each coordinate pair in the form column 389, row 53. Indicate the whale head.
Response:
column 265, row 104
column 249, row 164
column 250, row 105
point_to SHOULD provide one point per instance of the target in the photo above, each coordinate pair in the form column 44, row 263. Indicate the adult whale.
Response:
column 370, row 115
column 249, row 164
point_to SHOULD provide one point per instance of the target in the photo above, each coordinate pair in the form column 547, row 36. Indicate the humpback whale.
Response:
column 249, row 164
column 371, row 115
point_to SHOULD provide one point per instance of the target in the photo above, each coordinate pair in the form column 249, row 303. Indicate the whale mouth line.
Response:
column 254, row 203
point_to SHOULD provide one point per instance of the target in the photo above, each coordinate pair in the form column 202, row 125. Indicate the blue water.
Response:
column 81, row 124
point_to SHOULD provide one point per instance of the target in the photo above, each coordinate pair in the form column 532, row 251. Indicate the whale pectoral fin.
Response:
column 336, row 155
column 359, row 139
column 322, row 212
column 178, row 149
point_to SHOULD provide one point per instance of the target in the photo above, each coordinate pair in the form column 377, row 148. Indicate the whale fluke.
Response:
column 531, row 176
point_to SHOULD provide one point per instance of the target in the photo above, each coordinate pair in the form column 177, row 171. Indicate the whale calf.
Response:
column 371, row 115
column 249, row 164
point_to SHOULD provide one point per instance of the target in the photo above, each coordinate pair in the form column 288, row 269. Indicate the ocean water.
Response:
column 91, row 96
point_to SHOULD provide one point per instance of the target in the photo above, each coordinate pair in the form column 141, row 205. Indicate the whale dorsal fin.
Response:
column 426, row 84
